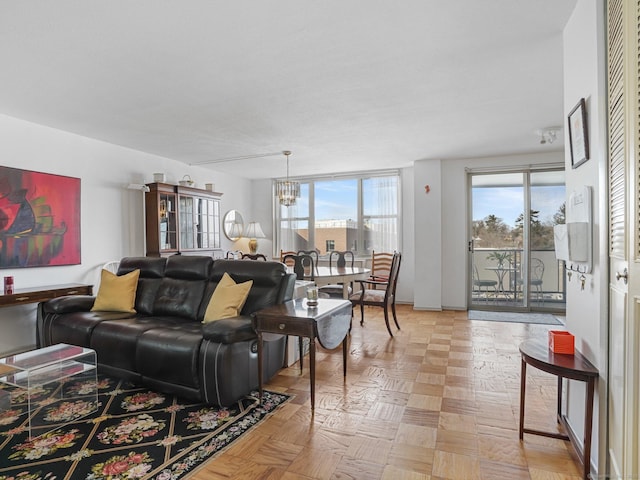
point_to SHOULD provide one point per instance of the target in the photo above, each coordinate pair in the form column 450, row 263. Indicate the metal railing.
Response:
column 509, row 289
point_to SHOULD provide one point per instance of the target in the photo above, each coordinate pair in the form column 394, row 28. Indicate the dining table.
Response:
column 325, row 275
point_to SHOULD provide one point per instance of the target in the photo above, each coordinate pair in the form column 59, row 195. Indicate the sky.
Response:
column 337, row 200
column 507, row 203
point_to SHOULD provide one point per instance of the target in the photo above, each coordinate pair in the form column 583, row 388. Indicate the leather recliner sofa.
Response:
column 165, row 345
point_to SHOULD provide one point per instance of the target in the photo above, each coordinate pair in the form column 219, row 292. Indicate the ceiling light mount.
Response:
column 287, row 191
column 548, row 134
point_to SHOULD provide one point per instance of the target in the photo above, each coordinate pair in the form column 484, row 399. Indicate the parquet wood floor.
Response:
column 438, row 401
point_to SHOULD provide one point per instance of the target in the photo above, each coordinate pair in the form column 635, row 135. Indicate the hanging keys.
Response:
column 569, row 273
column 583, row 279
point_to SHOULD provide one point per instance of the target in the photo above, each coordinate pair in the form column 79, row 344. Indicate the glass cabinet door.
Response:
column 187, row 224
column 208, row 223
column 168, row 224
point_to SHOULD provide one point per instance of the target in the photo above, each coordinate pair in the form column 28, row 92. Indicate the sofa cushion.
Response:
column 227, row 300
column 151, row 273
column 117, row 293
column 181, row 291
column 115, row 341
column 170, row 353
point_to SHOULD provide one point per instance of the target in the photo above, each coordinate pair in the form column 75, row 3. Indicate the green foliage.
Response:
column 500, row 257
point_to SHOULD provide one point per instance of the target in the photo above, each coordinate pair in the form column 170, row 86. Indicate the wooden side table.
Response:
column 573, row 367
column 329, row 322
column 40, row 294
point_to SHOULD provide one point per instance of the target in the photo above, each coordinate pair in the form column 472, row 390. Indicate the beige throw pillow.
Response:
column 117, row 293
column 227, row 300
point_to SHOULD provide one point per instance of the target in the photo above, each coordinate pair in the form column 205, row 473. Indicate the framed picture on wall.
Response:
column 39, row 219
column 578, row 136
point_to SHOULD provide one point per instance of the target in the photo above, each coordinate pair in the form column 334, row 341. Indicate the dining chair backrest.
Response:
column 311, row 253
column 381, row 265
column 253, row 256
column 284, row 253
column 341, row 258
column 394, row 272
column 303, row 266
column 234, row 254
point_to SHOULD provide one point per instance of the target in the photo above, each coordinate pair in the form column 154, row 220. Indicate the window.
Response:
column 342, row 214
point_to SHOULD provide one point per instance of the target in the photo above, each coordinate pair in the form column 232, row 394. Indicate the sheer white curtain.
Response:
column 380, row 208
column 293, row 225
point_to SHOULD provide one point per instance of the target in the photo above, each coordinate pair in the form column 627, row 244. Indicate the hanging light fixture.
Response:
column 286, row 190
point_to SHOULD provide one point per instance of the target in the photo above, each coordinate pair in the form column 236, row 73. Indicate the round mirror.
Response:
column 233, row 225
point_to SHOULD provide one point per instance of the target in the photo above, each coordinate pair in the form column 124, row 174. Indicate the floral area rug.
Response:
column 132, row 433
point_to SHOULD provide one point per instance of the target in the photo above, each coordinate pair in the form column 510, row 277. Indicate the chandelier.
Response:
column 286, row 190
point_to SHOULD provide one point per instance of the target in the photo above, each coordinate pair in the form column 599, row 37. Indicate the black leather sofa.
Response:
column 165, row 345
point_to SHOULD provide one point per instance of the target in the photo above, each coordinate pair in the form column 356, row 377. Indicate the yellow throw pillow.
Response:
column 117, row 293
column 227, row 300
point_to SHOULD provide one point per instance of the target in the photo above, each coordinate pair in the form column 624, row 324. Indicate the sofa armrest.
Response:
column 68, row 304
column 229, row 330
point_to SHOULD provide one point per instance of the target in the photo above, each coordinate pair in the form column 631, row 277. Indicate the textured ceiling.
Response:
column 346, row 85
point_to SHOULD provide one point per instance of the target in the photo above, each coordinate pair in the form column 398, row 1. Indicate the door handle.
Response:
column 624, row 275
column 471, row 246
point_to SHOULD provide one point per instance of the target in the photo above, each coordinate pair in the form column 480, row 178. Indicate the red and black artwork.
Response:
column 39, row 219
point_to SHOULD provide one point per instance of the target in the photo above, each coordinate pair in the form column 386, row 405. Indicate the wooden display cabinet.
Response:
column 181, row 220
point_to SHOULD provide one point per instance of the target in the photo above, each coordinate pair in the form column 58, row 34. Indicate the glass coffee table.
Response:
column 40, row 380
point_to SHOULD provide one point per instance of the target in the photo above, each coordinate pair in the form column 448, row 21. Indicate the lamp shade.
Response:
column 254, row 230
column 236, row 230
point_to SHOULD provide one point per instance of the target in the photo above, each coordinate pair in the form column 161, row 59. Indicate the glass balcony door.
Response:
column 512, row 263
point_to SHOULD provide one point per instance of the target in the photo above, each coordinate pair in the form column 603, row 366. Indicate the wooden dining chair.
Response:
column 384, row 296
column 303, row 266
column 338, row 259
column 253, row 256
column 284, row 253
column 311, row 253
column 234, row 254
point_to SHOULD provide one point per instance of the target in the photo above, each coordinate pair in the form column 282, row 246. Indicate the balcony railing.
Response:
column 549, row 291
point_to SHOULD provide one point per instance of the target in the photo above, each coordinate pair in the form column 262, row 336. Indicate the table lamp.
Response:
column 253, row 232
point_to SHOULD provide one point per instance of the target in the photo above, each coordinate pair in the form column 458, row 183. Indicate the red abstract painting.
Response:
column 39, row 219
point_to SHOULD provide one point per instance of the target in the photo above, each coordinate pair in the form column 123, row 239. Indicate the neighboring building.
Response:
column 332, row 235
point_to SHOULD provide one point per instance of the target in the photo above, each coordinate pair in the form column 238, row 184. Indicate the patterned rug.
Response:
column 540, row 318
column 134, row 434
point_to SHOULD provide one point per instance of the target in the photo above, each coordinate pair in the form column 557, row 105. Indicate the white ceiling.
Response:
column 345, row 84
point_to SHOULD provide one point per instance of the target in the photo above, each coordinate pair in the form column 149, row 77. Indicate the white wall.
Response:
column 587, row 317
column 111, row 216
column 441, row 225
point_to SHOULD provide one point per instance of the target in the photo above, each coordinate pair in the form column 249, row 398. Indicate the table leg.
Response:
column 523, row 383
column 559, row 419
column 301, row 351
column 344, row 356
column 312, row 370
column 260, row 365
column 588, row 424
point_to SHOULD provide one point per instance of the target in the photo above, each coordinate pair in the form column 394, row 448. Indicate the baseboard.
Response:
column 427, row 309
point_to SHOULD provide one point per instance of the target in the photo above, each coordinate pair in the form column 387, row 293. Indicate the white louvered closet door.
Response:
column 623, row 36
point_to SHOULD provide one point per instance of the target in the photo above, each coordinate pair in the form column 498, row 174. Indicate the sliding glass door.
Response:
column 512, row 264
